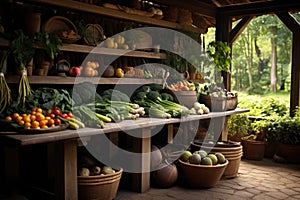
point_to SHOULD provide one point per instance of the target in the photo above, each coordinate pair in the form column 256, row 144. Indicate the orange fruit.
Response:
column 27, row 119
column 39, row 110
column 18, row 119
column 44, row 126
column 15, row 115
column 47, row 117
column 35, row 124
column 21, row 122
column 8, row 118
column 33, row 112
column 50, row 122
column 32, row 117
column 40, row 117
column 27, row 124
column 43, row 123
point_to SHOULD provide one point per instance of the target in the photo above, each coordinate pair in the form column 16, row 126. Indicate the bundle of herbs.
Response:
column 4, row 89
column 22, row 49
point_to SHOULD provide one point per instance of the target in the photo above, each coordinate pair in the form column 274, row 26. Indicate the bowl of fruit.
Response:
column 201, row 169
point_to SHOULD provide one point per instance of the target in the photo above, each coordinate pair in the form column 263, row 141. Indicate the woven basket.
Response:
column 99, row 187
column 219, row 104
column 93, row 34
column 57, row 24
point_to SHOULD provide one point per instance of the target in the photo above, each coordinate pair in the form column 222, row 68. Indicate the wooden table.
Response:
column 65, row 145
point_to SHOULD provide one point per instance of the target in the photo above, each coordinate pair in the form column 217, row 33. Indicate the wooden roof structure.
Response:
column 221, row 14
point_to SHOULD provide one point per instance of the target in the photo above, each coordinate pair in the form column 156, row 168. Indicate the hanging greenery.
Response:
column 22, row 48
column 5, row 93
column 220, row 53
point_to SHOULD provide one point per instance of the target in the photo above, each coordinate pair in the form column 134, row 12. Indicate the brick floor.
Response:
column 264, row 179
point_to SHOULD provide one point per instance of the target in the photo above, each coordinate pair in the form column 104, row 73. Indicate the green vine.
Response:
column 220, row 53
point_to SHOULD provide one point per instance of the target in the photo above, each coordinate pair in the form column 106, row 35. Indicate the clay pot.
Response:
column 166, row 176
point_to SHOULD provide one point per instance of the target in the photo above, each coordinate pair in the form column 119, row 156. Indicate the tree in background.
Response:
column 265, row 44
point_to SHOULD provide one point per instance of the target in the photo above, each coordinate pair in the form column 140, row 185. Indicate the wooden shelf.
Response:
column 75, row 5
column 125, row 125
column 116, row 52
column 101, row 50
column 65, row 80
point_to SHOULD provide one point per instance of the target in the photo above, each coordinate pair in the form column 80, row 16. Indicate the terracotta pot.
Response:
column 271, row 149
column 254, row 150
column 202, row 176
column 289, row 152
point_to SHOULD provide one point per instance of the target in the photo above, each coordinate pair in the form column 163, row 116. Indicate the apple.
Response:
column 88, row 71
column 92, row 64
column 75, row 71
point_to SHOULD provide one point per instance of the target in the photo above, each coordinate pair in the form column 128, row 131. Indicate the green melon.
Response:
column 206, row 161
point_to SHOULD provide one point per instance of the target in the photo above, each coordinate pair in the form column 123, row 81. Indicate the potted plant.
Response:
column 289, row 138
column 51, row 43
column 239, row 126
column 254, row 144
column 268, row 127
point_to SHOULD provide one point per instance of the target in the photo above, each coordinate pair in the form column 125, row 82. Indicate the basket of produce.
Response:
column 184, row 93
column 216, row 98
column 63, row 27
column 219, row 103
column 98, row 183
column 202, row 170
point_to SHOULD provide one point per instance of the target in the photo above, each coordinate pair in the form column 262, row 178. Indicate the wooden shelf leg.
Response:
column 66, row 170
column 141, row 181
column 11, row 166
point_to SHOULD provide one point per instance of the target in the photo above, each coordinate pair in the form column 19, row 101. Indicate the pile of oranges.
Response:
column 36, row 119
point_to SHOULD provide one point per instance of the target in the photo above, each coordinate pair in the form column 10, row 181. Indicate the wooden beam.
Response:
column 200, row 7
column 238, row 29
column 223, row 28
column 259, row 8
column 294, row 26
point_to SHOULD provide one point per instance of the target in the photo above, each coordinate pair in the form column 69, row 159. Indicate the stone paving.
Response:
column 264, row 179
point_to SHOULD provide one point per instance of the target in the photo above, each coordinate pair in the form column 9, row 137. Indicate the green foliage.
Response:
column 220, row 53
column 239, row 125
column 22, row 49
column 51, row 43
column 264, row 106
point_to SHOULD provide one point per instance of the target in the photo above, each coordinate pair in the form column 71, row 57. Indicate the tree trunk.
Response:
column 273, row 74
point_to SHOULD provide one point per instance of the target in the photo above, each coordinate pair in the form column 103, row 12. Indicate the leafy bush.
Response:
column 264, row 106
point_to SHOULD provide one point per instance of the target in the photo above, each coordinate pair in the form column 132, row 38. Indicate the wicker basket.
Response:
column 57, row 24
column 103, row 187
column 93, row 34
column 218, row 104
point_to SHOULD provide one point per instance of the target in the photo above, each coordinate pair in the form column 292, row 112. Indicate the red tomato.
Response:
column 57, row 121
column 52, row 115
column 70, row 114
column 68, row 118
column 57, row 111
column 64, row 115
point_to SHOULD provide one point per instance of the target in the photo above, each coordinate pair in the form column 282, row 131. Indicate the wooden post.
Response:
column 294, row 26
column 66, row 170
column 141, row 181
